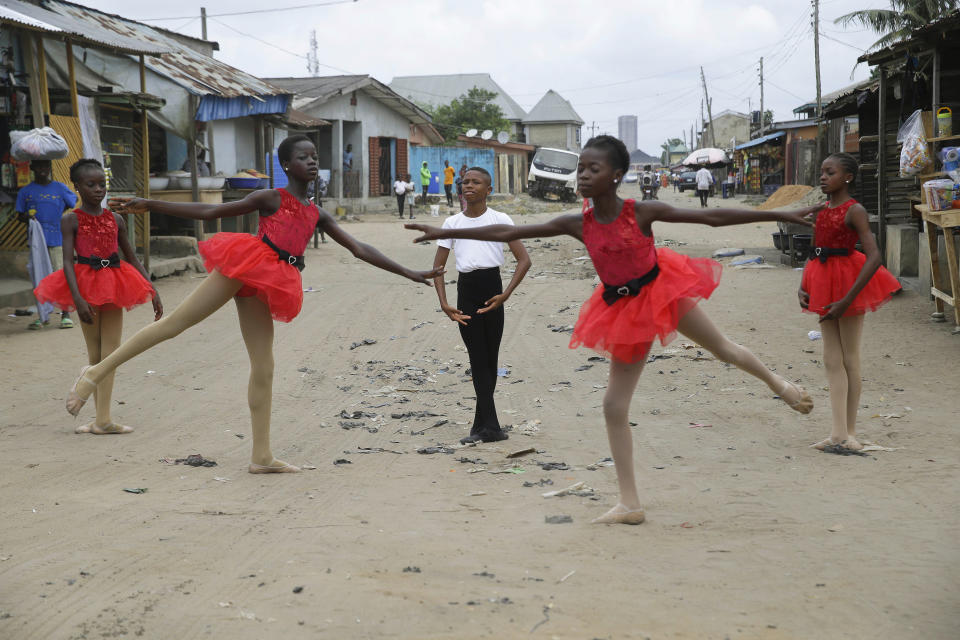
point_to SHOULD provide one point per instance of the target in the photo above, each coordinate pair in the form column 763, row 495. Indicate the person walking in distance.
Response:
column 424, row 182
column 704, row 180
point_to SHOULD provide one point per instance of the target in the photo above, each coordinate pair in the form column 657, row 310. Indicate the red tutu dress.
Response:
column 273, row 275
column 828, row 278
column 621, row 253
column 103, row 279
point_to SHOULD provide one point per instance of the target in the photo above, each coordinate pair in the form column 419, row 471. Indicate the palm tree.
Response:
column 900, row 19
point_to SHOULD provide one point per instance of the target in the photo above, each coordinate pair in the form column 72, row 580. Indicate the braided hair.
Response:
column 848, row 163
column 82, row 165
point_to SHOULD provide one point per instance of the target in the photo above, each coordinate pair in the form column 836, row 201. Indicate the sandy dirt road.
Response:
column 750, row 534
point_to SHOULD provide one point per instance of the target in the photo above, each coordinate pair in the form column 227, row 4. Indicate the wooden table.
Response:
column 946, row 221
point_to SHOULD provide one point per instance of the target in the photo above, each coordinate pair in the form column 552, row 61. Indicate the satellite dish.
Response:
column 503, row 137
column 486, row 135
column 471, row 133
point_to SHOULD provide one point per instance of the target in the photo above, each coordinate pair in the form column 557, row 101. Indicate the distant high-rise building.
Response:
column 627, row 126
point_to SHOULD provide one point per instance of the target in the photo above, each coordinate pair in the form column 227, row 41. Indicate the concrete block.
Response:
column 174, row 246
column 903, row 250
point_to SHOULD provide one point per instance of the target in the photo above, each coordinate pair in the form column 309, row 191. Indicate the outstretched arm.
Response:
column 569, row 225
column 266, row 201
column 372, row 255
column 651, row 211
column 858, row 220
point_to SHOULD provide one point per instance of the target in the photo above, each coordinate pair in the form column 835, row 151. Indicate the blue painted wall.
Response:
column 455, row 155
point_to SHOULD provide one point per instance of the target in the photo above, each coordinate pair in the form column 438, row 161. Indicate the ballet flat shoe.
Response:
column 74, row 401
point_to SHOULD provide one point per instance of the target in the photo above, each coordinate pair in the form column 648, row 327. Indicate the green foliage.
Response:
column 672, row 142
column 900, row 19
column 472, row 110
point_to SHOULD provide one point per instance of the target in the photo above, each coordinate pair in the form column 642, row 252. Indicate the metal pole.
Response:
column 882, row 161
column 706, row 96
column 194, row 168
column 203, row 22
column 145, row 164
column 763, row 119
column 74, row 106
column 816, row 58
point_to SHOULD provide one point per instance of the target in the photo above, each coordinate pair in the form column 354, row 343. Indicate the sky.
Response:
column 608, row 58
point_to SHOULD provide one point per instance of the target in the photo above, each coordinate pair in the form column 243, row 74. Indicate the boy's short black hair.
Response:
column 81, row 165
column 483, row 171
column 285, row 150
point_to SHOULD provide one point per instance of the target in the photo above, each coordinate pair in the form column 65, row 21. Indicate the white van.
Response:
column 553, row 171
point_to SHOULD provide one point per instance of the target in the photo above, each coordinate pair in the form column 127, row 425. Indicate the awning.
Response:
column 762, row 140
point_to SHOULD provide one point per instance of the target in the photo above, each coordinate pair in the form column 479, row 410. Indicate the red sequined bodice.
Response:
column 291, row 226
column 96, row 235
column 619, row 250
column 832, row 231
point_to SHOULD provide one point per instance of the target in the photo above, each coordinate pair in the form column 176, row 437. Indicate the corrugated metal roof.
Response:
column 199, row 74
column 442, row 89
column 827, row 98
column 761, row 140
column 38, row 18
column 552, row 108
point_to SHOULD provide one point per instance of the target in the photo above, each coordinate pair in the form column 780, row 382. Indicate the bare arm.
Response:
column 523, row 265
column 131, row 256
column 371, row 254
column 265, row 201
column 68, row 228
column 650, row 211
column 569, row 225
column 440, row 262
column 857, row 220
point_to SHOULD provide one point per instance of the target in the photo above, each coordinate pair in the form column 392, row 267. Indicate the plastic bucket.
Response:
column 944, row 122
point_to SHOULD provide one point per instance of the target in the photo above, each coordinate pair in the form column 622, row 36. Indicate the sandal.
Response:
column 74, row 401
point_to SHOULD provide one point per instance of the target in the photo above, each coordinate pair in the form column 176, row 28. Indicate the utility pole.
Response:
column 203, row 22
column 313, row 62
column 593, row 129
column 762, row 114
column 713, row 137
column 816, row 59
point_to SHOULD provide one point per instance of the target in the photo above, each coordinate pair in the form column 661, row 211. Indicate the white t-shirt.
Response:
column 704, row 179
column 400, row 187
column 475, row 254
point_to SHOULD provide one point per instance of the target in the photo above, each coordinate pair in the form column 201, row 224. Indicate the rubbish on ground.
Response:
column 605, row 462
column 747, row 260
column 886, row 416
column 841, row 450
column 356, row 415
column 219, row 479
column 553, row 466
column 363, row 342
column 135, row 490
column 597, row 359
column 877, row 447
column 561, row 328
column 297, row 589
column 414, row 414
column 477, row 493
column 196, row 460
column 564, row 578
column 341, row 461
column 558, row 519
column 466, row 460
column 576, row 488
column 527, row 428
column 436, row 449
column 542, row 482
column 584, row 367
column 307, row 467
column 694, row 425
column 521, row 452
column 814, row 335
column 835, row 528
column 753, row 265
column 686, row 525
column 728, row 252
column 438, row 423
column 373, row 450
column 411, row 569
column 419, row 325
column 503, row 372
column 516, row 470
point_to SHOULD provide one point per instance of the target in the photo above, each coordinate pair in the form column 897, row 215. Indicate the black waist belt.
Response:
column 825, row 252
column 97, row 263
column 612, row 293
column 285, row 256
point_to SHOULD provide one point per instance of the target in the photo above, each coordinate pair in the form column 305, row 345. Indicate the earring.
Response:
column 848, row 182
column 286, row 168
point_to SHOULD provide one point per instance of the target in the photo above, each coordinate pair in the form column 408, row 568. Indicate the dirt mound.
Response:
column 785, row 195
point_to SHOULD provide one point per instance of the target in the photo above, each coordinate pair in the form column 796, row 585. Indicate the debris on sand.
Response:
column 841, row 450
column 365, row 341
column 577, row 489
column 135, row 490
column 196, row 460
column 440, row 448
column 521, row 452
column 558, row 519
column 553, row 466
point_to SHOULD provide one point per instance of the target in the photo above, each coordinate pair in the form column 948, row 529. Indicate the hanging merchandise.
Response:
column 38, row 144
column 950, row 157
column 914, row 156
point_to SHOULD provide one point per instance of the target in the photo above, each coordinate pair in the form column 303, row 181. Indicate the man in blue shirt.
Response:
column 46, row 199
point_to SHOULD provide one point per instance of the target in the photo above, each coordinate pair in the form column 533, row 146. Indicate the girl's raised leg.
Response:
column 616, row 408
column 213, row 293
column 256, row 325
column 697, row 326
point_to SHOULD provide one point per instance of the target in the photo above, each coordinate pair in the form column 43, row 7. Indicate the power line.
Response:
column 312, row 5
column 270, row 44
column 767, row 80
column 823, row 35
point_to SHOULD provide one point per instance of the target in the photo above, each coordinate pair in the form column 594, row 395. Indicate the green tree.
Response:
column 672, row 142
column 900, row 19
column 473, row 110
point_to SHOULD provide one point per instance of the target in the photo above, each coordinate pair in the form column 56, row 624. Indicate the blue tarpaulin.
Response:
column 761, row 140
column 456, row 156
column 217, row 108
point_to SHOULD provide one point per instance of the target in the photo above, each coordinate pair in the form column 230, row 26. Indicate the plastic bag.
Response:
column 38, row 144
column 914, row 156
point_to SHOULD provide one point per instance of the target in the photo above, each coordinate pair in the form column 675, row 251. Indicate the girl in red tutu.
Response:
column 260, row 273
column 841, row 284
column 97, row 283
column 646, row 294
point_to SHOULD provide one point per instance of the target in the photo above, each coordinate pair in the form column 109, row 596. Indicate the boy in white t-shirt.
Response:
column 480, row 296
column 400, row 189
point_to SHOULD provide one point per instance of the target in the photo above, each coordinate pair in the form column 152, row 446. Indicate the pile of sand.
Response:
column 785, row 195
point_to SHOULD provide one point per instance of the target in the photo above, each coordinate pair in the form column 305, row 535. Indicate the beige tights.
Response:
column 256, row 327
column 102, row 338
column 841, row 359
column 624, row 377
